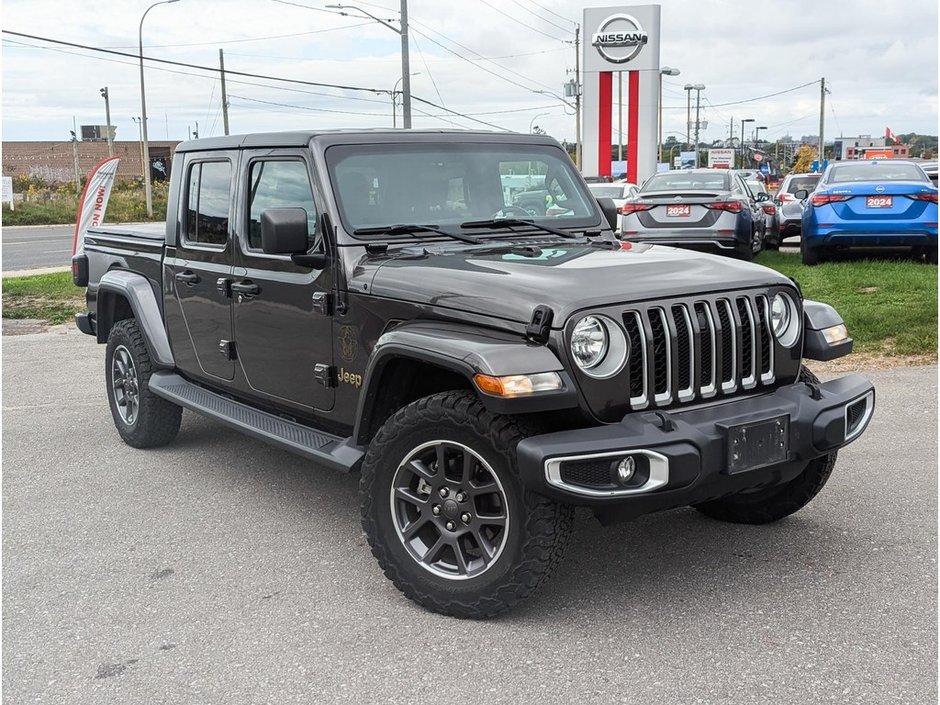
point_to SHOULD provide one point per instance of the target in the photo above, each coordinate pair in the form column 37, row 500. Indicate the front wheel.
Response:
column 446, row 515
column 143, row 419
column 774, row 503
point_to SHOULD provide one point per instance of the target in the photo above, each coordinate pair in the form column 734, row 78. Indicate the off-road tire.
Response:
column 774, row 503
column 157, row 420
column 538, row 528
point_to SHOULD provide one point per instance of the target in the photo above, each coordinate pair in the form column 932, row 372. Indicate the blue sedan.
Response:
column 879, row 203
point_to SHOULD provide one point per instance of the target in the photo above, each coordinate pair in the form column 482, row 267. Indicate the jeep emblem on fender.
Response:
column 619, row 38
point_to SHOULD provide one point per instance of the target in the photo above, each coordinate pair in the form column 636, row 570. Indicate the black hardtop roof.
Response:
column 301, row 138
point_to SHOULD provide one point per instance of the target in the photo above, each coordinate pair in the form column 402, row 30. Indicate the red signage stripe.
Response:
column 604, row 121
column 633, row 125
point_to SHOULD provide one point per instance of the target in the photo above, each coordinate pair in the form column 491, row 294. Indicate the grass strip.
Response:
column 48, row 297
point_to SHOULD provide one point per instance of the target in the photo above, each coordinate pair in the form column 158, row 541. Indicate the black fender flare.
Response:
column 137, row 291
column 818, row 316
column 465, row 350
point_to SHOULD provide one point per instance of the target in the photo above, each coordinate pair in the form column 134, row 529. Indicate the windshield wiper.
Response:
column 414, row 229
column 499, row 222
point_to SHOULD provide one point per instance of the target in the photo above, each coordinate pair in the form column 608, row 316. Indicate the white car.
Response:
column 619, row 191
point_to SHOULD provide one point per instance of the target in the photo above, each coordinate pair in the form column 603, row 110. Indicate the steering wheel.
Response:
column 513, row 211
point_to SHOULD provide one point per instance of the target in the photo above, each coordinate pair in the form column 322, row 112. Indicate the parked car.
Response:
column 770, row 207
column 791, row 209
column 930, row 168
column 619, row 191
column 485, row 374
column 885, row 203
column 698, row 209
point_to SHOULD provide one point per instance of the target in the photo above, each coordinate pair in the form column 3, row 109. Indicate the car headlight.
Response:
column 784, row 320
column 599, row 346
column 589, row 342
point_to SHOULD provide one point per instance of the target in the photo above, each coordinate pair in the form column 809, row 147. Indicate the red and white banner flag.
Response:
column 94, row 200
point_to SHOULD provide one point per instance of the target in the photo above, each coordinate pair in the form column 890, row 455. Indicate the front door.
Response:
column 198, row 267
column 281, row 313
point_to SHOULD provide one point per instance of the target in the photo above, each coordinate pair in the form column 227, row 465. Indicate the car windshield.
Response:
column 875, row 171
column 802, row 182
column 604, row 191
column 446, row 184
column 687, row 181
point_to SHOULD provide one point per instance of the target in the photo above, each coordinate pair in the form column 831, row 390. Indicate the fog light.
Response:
column 626, row 469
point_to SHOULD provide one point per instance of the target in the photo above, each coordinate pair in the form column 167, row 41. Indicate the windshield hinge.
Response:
column 540, row 325
column 322, row 303
column 325, row 374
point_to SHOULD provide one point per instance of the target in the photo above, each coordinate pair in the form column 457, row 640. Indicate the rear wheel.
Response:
column 446, row 515
column 809, row 255
column 143, row 419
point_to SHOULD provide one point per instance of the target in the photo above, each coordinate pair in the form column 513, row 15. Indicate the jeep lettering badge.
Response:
column 619, row 38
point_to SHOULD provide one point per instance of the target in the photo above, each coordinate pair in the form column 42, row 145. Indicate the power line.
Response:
column 520, row 22
column 430, row 75
column 561, row 17
column 749, row 100
column 239, row 41
column 538, row 16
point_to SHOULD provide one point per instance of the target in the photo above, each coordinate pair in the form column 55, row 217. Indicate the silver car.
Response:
column 699, row 209
column 791, row 210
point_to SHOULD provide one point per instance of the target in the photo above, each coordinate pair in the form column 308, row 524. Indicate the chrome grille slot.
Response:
column 697, row 349
column 728, row 345
column 639, row 397
column 662, row 356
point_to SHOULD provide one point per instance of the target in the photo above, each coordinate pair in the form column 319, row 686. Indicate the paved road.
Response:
column 218, row 570
column 35, row 248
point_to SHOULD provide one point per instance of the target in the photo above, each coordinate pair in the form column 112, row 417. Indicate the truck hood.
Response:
column 566, row 277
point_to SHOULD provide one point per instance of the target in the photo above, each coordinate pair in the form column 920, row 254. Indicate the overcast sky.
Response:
column 484, row 58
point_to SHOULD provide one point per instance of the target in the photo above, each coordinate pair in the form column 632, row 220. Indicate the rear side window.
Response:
column 208, row 199
column 279, row 184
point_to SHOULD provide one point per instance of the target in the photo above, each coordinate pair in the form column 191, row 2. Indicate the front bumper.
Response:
column 686, row 453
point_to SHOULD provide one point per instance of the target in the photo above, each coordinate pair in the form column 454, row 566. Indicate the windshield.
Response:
column 687, row 181
column 604, row 191
column 378, row 185
column 875, row 171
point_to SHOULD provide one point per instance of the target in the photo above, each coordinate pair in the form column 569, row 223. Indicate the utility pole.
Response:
column 822, row 120
column 577, row 95
column 698, row 101
column 224, row 95
column 78, row 175
column 140, row 132
column 107, row 117
column 405, row 69
column 688, row 116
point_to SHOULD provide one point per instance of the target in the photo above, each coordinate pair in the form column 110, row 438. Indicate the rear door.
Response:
column 281, row 310
column 198, row 266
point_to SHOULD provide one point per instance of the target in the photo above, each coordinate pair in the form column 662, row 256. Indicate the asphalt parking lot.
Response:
column 218, row 570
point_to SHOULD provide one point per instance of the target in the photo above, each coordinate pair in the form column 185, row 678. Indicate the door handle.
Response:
column 246, row 289
column 188, row 278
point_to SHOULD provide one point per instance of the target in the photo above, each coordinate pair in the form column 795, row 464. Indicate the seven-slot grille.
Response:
column 697, row 349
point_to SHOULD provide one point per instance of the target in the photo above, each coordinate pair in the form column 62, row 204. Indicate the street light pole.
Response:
column 534, row 118
column 107, row 117
column 688, row 114
column 744, row 120
column 699, row 87
column 757, row 135
column 664, row 71
column 405, row 64
column 143, row 108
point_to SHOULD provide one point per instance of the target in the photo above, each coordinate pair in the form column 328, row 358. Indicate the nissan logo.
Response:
column 879, row 189
column 619, row 38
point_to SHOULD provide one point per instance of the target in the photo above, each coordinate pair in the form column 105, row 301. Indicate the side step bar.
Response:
column 336, row 452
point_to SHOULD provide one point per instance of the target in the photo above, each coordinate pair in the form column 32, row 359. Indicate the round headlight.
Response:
column 599, row 346
column 784, row 320
column 589, row 342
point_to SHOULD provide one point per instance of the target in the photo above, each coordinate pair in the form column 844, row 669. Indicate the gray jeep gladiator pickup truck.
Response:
column 374, row 301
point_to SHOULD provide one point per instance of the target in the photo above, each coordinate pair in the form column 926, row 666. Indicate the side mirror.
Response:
column 609, row 209
column 801, row 195
column 284, row 231
column 762, row 196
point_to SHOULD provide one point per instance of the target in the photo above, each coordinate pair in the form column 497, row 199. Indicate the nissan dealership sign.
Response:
column 622, row 38
column 619, row 38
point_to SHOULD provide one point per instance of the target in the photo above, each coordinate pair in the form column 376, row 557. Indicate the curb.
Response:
column 33, row 272
column 38, row 227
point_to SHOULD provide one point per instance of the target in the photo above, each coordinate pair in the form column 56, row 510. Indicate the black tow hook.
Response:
column 815, row 393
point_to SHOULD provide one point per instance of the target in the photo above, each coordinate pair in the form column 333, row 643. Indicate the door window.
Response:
column 279, row 184
column 208, row 199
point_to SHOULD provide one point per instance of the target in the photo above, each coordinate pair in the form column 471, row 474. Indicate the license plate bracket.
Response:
column 758, row 444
